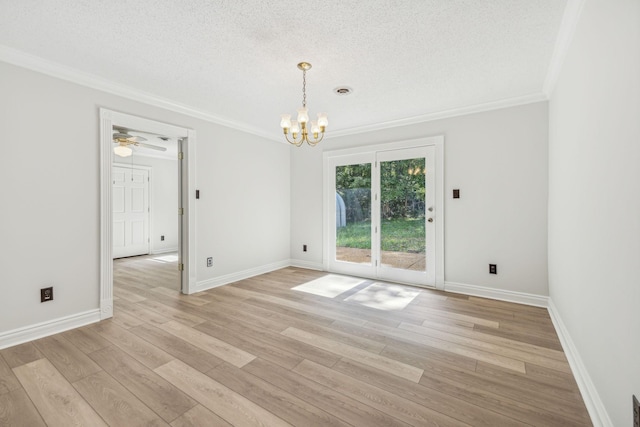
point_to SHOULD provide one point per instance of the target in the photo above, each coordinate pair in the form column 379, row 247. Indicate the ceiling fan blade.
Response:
column 153, row 147
column 123, row 142
column 124, row 135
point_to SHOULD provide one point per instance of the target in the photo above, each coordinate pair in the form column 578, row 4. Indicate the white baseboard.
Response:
column 44, row 329
column 306, row 264
column 162, row 251
column 498, row 294
column 240, row 275
column 597, row 411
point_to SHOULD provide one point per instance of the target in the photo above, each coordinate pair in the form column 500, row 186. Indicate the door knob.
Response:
column 430, row 220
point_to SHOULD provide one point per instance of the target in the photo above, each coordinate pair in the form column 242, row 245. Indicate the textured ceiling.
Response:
column 236, row 60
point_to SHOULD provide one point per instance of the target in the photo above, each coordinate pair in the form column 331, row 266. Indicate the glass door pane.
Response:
column 405, row 210
column 402, row 214
column 382, row 219
column 353, row 213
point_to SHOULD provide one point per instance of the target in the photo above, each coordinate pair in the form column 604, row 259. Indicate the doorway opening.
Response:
column 142, row 226
column 145, row 204
column 383, row 212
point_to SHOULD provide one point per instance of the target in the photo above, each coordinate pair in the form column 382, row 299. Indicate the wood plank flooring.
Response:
column 256, row 353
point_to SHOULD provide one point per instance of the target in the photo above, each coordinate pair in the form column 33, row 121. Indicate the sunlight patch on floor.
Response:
column 385, row 296
column 329, row 286
column 165, row 258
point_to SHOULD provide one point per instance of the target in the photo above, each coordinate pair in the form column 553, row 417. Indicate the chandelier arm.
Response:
column 315, row 141
column 294, row 142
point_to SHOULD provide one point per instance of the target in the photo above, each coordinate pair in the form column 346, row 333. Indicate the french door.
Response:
column 386, row 215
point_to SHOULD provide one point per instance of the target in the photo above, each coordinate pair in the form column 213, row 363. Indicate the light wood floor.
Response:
column 156, row 270
column 258, row 353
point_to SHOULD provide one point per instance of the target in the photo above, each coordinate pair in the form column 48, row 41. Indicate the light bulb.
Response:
column 295, row 128
column 314, row 127
column 285, row 123
column 122, row 151
column 303, row 115
column 323, row 122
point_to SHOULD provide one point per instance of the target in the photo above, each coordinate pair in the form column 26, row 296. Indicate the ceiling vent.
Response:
column 343, row 90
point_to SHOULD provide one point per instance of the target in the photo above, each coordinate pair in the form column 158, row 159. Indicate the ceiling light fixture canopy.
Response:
column 300, row 129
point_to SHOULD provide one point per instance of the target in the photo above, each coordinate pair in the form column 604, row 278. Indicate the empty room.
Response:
column 287, row 213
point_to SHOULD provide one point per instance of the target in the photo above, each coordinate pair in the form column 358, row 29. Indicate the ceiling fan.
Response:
column 125, row 140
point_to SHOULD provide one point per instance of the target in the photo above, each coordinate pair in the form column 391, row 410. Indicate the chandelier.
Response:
column 300, row 130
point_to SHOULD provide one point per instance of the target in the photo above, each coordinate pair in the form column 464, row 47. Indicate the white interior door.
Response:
column 130, row 211
column 383, row 218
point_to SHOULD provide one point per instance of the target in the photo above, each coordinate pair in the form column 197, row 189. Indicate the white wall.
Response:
column 49, row 221
column 244, row 185
column 164, row 200
column 594, row 200
column 497, row 159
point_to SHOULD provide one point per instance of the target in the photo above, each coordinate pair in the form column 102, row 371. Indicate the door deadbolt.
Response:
column 431, row 209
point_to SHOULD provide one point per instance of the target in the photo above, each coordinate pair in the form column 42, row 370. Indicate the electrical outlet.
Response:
column 210, row 262
column 304, row 248
column 493, row 269
column 636, row 412
column 162, row 238
column 46, row 294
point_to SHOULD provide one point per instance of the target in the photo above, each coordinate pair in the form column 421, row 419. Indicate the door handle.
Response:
column 430, row 220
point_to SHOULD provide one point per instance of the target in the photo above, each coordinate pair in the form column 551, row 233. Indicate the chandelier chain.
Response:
column 304, row 88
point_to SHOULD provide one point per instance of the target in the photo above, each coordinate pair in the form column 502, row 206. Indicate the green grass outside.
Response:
column 398, row 235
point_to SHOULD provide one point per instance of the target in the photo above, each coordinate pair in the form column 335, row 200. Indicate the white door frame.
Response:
column 108, row 119
column 438, row 142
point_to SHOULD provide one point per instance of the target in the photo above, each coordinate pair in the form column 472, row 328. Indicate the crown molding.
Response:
column 462, row 111
column 50, row 68
column 566, row 32
column 38, row 64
